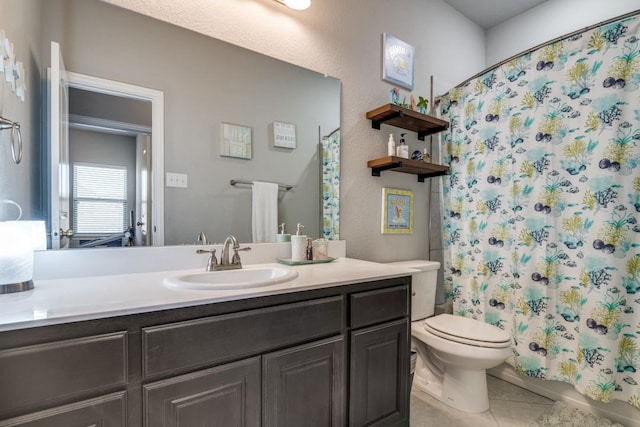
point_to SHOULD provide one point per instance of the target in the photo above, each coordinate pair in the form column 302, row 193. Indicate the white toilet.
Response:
column 454, row 352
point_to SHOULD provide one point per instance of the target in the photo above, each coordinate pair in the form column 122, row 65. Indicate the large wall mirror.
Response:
column 206, row 85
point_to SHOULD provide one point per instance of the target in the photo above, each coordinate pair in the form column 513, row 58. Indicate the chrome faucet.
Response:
column 201, row 239
column 225, row 264
column 235, row 260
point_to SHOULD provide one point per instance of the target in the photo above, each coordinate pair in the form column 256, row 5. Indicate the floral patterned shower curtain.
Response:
column 331, row 186
column 542, row 208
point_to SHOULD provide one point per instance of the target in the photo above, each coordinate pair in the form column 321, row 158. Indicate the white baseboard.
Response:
column 617, row 411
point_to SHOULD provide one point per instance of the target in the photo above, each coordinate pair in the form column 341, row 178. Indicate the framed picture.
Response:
column 397, row 61
column 235, row 141
column 283, row 135
column 397, row 211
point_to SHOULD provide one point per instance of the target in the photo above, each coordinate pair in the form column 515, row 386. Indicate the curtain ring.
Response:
column 15, row 132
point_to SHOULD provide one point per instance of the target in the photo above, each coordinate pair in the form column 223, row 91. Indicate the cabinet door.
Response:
column 379, row 375
column 106, row 411
column 224, row 396
column 304, row 385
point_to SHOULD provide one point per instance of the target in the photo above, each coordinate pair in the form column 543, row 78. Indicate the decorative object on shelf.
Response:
column 397, row 61
column 423, row 105
column 414, row 105
column 395, row 96
column 235, row 141
column 16, row 138
column 426, row 156
column 12, row 69
column 417, row 155
column 283, row 134
column 397, row 211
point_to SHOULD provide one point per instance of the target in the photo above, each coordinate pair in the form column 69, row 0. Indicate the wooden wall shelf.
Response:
column 415, row 167
column 404, row 118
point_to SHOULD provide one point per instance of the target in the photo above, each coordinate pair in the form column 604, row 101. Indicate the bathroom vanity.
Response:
column 329, row 348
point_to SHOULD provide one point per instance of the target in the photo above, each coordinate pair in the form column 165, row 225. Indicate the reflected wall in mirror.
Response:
column 205, row 82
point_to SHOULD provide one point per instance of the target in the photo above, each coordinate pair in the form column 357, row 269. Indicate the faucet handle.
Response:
column 212, row 261
column 236, row 256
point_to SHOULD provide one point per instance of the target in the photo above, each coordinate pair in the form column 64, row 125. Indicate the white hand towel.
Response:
column 264, row 209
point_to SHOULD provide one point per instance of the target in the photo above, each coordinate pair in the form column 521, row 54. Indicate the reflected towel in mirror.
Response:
column 264, row 208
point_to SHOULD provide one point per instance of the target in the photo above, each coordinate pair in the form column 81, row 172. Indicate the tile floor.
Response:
column 511, row 406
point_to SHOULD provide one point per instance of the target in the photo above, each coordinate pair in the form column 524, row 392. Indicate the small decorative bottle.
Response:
column 391, row 146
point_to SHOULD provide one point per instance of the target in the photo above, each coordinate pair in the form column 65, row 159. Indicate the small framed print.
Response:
column 397, row 211
column 397, row 61
column 283, row 135
column 235, row 141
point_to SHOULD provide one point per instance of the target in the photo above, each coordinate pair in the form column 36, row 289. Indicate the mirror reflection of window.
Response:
column 99, row 199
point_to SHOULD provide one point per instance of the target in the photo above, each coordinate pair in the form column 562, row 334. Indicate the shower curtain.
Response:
column 542, row 208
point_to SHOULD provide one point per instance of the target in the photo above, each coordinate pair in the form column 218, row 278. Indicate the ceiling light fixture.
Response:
column 296, row 4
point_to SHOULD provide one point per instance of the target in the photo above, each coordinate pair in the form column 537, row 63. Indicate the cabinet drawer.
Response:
column 46, row 372
column 379, row 305
column 223, row 338
column 105, row 411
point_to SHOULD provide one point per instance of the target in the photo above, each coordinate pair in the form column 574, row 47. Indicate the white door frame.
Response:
column 156, row 97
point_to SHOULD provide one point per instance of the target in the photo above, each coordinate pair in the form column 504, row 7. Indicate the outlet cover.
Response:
column 178, row 180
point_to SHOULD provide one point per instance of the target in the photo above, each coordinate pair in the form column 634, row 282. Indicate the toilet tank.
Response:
column 423, row 286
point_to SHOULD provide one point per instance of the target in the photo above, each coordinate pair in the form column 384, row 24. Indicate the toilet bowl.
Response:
column 454, row 352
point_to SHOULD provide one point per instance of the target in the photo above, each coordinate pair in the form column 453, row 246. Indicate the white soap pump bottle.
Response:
column 402, row 150
column 299, row 245
column 391, row 146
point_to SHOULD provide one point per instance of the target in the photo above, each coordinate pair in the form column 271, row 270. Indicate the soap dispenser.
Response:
column 299, row 245
column 283, row 237
column 391, row 146
column 402, row 150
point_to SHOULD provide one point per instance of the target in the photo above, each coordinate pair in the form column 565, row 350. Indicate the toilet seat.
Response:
column 467, row 331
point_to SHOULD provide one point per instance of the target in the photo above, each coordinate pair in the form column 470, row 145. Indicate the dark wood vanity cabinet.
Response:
column 379, row 357
column 336, row 357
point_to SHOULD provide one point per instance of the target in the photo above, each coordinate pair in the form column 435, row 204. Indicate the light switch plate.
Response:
column 176, row 180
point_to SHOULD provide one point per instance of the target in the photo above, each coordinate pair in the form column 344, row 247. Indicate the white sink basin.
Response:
column 232, row 279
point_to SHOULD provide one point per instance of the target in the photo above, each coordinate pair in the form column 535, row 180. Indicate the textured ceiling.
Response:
column 488, row 13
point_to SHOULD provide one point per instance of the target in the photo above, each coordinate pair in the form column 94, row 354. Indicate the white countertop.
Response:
column 64, row 300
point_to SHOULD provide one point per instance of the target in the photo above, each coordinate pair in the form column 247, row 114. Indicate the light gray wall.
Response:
column 343, row 39
column 548, row 21
column 206, row 82
column 21, row 183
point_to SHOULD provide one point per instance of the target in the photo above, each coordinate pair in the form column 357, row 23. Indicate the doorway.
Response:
column 104, row 115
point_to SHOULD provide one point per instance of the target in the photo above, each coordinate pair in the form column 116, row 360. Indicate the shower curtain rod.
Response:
column 243, row 181
column 557, row 39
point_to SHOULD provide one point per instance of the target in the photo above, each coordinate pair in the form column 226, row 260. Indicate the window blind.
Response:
column 99, row 198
